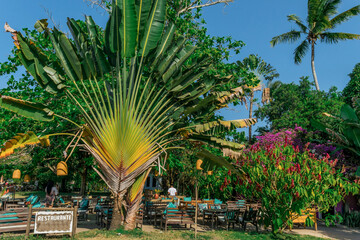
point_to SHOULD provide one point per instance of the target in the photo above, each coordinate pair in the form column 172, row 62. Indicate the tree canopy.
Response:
column 292, row 104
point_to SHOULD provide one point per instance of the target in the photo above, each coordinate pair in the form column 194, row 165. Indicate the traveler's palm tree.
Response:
column 321, row 19
column 263, row 73
column 140, row 90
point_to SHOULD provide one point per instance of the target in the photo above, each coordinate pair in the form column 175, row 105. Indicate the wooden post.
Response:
column 196, row 206
column 28, row 222
column 74, row 221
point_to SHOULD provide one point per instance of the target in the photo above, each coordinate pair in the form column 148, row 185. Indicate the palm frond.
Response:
column 300, row 51
column 289, row 37
column 298, row 22
column 331, row 37
column 321, row 17
column 313, row 6
column 344, row 16
column 328, row 8
column 256, row 65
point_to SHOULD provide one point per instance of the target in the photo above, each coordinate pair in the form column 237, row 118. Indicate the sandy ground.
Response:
column 338, row 232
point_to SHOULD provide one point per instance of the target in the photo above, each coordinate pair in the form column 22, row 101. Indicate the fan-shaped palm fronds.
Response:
column 264, row 73
column 134, row 92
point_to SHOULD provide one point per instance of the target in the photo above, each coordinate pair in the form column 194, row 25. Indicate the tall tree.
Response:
column 135, row 93
column 263, row 74
column 322, row 17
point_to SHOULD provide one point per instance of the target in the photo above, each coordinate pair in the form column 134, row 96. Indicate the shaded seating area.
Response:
column 212, row 213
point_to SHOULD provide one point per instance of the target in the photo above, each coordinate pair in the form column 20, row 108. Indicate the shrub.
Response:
column 288, row 180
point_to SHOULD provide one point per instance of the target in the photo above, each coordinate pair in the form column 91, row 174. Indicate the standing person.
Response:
column 51, row 192
column 172, row 191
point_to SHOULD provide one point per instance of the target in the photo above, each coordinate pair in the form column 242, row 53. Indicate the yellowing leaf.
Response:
column 20, row 141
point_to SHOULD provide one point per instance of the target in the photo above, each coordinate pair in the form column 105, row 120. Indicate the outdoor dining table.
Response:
column 214, row 213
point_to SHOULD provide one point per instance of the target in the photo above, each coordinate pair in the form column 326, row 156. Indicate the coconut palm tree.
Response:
column 264, row 74
column 139, row 91
column 322, row 17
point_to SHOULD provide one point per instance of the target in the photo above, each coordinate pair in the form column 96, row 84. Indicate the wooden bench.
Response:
column 301, row 219
column 15, row 220
column 175, row 216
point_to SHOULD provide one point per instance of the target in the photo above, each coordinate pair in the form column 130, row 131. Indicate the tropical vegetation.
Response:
column 351, row 91
column 263, row 73
column 278, row 172
column 296, row 104
column 322, row 18
column 142, row 96
column 136, row 90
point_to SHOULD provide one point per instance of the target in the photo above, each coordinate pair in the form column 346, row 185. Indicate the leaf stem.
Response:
column 67, row 120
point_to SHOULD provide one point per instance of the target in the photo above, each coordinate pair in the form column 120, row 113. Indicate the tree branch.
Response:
column 98, row 3
column 197, row 4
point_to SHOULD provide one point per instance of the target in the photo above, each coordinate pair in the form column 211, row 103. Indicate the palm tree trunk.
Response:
column 134, row 206
column 117, row 217
column 313, row 65
column 130, row 221
column 250, row 114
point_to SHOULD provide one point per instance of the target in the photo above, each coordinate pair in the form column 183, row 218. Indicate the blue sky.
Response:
column 255, row 22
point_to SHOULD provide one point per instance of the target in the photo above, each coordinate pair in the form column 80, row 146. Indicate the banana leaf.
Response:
column 20, row 141
column 216, row 142
column 221, row 126
column 211, row 160
column 36, row 111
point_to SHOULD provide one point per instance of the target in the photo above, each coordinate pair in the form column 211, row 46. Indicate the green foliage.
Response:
column 352, row 89
column 38, row 161
column 348, row 134
column 352, row 219
column 27, row 89
column 288, row 181
column 293, row 104
column 133, row 93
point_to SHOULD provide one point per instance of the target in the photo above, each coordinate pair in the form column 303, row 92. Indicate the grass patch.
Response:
column 170, row 235
column 187, row 235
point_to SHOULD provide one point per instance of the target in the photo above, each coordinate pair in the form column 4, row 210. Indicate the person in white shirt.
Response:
column 172, row 191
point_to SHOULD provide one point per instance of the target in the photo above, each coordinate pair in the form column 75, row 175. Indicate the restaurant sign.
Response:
column 54, row 222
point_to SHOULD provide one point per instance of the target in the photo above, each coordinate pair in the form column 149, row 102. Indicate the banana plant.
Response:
column 136, row 92
column 348, row 134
